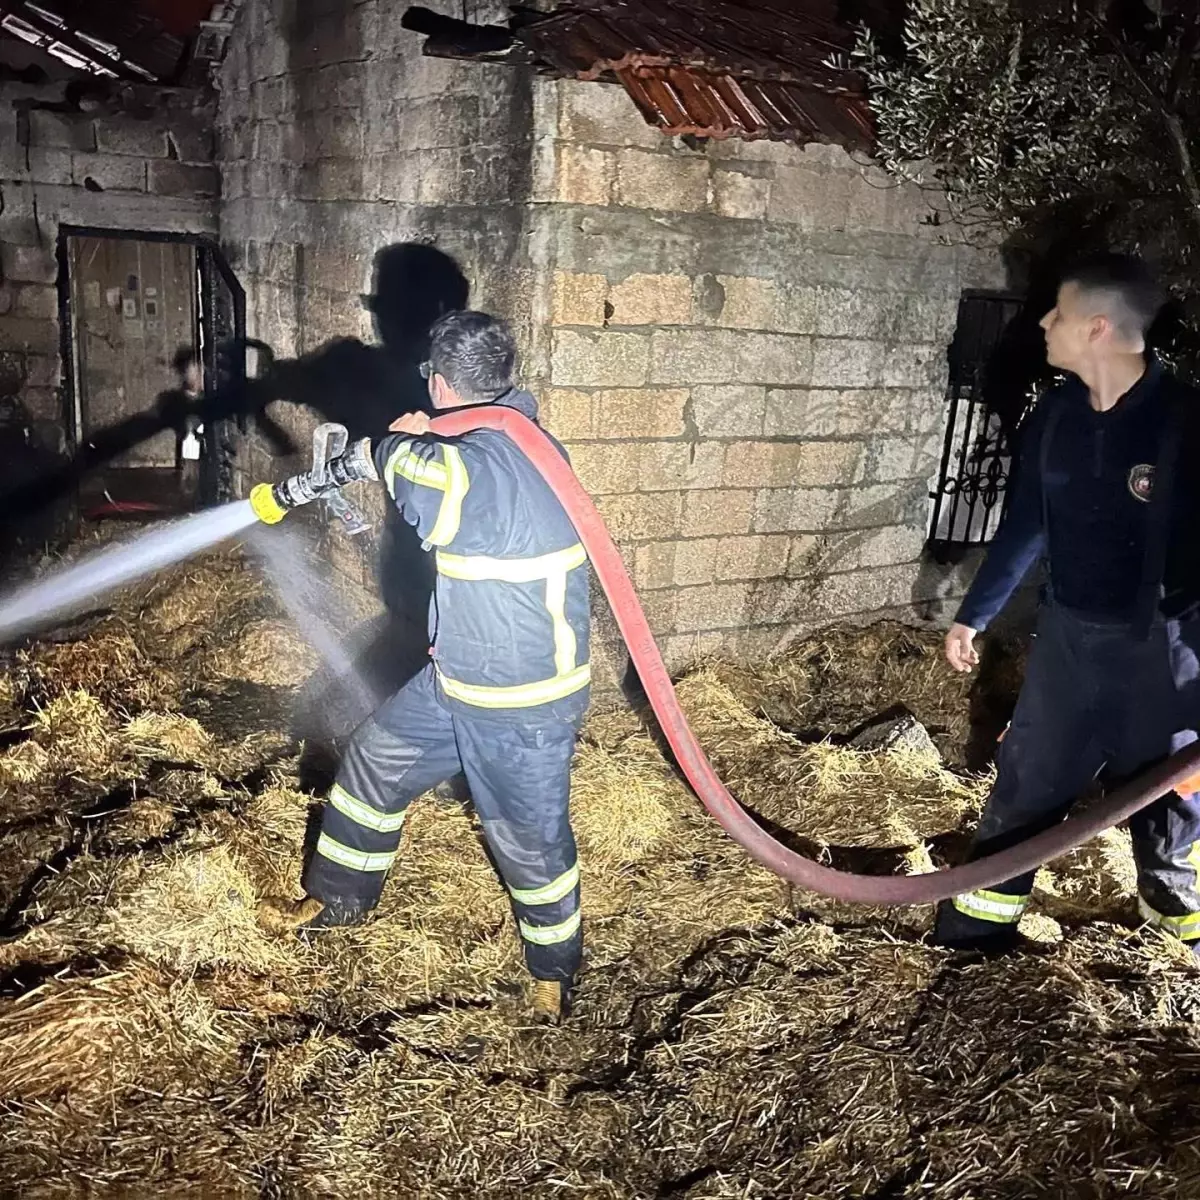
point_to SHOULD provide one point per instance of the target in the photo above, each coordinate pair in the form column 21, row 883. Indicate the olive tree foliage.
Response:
column 1051, row 118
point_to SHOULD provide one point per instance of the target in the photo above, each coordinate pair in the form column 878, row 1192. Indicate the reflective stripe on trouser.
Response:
column 519, row 777
column 1093, row 695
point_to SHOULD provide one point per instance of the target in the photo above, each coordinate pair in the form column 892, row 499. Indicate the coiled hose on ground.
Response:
column 864, row 889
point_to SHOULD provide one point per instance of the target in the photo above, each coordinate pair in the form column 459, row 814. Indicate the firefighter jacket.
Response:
column 509, row 620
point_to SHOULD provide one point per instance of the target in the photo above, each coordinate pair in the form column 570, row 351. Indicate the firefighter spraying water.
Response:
column 494, row 497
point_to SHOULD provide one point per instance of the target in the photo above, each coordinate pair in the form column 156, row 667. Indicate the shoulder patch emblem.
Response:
column 1141, row 482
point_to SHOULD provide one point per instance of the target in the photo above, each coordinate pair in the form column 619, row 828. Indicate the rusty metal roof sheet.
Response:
column 712, row 68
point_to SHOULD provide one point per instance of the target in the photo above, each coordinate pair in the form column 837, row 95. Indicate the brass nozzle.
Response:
column 265, row 504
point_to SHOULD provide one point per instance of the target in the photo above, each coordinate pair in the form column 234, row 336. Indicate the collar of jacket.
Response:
column 521, row 400
column 1146, row 386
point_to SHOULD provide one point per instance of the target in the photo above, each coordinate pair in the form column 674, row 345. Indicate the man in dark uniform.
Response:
column 1106, row 493
column 508, row 685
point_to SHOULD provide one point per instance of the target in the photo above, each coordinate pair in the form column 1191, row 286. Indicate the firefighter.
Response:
column 508, row 684
column 1106, row 493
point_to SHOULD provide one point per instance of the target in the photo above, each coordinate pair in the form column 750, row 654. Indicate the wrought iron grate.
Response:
column 971, row 492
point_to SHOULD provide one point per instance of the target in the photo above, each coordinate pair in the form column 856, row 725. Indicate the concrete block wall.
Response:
column 142, row 160
column 743, row 345
column 337, row 139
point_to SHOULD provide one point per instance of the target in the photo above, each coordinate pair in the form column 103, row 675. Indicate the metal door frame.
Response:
column 211, row 267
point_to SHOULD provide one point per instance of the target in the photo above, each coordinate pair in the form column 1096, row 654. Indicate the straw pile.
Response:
column 731, row 1038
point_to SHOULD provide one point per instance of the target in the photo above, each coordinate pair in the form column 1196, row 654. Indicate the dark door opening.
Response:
column 148, row 321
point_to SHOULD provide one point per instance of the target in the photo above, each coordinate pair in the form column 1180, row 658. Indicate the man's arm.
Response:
column 427, row 479
column 1014, row 549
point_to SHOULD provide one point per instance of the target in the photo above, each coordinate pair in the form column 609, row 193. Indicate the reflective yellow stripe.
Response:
column 426, row 471
column 1186, row 927
column 363, row 814
column 356, row 860
column 445, row 529
column 525, row 695
column 992, row 906
column 565, row 645
column 551, row 935
column 552, row 892
column 510, row 570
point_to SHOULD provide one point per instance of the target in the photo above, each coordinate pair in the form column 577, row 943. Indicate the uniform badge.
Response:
column 1141, row 482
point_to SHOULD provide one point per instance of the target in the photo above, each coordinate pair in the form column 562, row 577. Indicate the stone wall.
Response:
column 337, row 141
column 140, row 160
column 744, row 346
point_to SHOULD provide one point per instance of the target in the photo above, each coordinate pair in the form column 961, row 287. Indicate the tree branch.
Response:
column 1164, row 105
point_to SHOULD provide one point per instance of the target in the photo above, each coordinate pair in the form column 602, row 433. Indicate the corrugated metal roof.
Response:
column 712, row 68
column 128, row 39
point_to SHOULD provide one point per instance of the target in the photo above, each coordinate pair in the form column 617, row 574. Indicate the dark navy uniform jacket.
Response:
column 1100, row 474
column 509, row 622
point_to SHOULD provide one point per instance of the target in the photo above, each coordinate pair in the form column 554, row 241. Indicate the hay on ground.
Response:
column 730, row 1038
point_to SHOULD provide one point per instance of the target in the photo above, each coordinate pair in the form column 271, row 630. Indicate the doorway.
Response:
column 147, row 320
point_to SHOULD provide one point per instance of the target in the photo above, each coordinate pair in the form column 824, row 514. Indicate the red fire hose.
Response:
column 865, row 889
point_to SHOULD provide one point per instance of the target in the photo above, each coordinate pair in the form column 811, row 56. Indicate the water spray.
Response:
column 78, row 587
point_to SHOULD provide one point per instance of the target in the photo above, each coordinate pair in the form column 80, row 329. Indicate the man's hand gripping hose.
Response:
column 865, row 889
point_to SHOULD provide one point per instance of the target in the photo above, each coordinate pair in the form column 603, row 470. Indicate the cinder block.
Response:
column 720, row 511
column 50, row 166
column 604, row 359
column 775, row 358
column 787, row 510
column 636, row 518
column 711, row 606
column 142, row 139
column 652, row 300
column 822, row 464
column 667, row 466
column 728, row 410
column 654, row 565
column 110, row 172
column 578, row 299
column 761, row 464
column 846, row 363
column 584, row 175
column 568, row 413
column 605, row 468
column 37, row 301
column 602, row 114
column 749, row 302
column 913, row 366
column 665, row 182
column 29, row 335
column 640, row 413
column 30, row 264
column 912, row 457
column 192, row 141
column 178, row 179
column 740, row 196
column 67, row 131
column 755, row 556
column 683, row 356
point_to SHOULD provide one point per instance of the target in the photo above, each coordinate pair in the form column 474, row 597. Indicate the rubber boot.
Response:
column 277, row 914
column 953, row 930
column 550, row 1001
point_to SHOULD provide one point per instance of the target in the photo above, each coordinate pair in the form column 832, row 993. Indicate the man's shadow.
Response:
column 365, row 388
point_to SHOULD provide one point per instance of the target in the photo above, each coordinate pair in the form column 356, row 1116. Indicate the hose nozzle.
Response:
column 272, row 502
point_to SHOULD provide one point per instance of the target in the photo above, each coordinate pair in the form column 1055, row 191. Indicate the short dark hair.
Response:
column 475, row 353
column 1131, row 296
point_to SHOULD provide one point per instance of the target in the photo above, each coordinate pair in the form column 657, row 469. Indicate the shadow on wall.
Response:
column 365, row 388
column 357, row 385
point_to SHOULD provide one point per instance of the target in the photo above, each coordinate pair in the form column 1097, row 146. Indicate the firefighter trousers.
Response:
column 519, row 777
column 1095, row 698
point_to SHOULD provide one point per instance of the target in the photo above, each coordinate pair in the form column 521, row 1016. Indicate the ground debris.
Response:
column 730, row 1038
